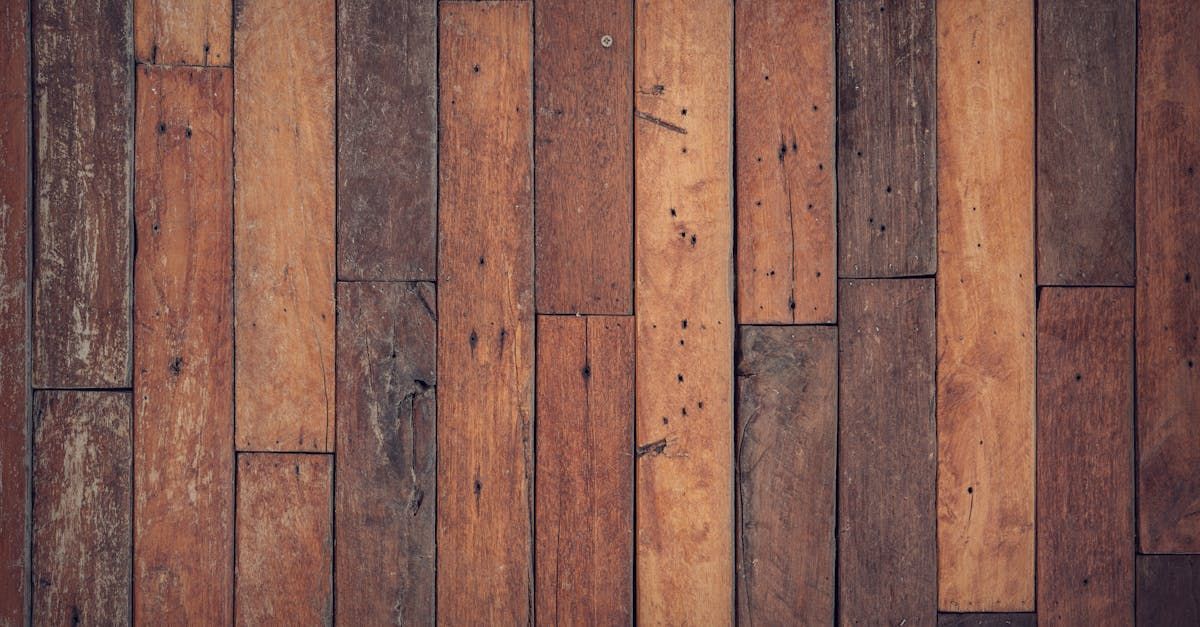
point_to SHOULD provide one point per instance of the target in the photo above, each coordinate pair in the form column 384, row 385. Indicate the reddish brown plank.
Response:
column 1168, row 590
column 183, row 32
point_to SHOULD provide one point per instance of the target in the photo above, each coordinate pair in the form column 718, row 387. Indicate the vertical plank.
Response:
column 81, row 517
column 1168, row 590
column 1168, row 298
column 1085, row 141
column 387, row 139
column 486, row 325
column 887, row 222
column 787, row 474
column 84, row 120
column 985, row 306
column 1025, row 619
column 886, row 508
column 385, row 499
column 584, row 153
column 786, row 248
column 1085, row 456
column 183, row 349
column 685, row 324
column 284, row 221
column 183, row 32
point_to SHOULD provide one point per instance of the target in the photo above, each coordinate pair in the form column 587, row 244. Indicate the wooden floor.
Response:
column 677, row 312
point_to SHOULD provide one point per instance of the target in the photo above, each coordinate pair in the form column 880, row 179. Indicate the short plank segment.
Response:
column 786, row 248
column 485, row 323
column 584, row 155
column 584, row 560
column 183, row 32
column 786, row 474
column 284, row 224
column 1024, row 619
column 1168, row 590
column 985, row 306
column 886, row 509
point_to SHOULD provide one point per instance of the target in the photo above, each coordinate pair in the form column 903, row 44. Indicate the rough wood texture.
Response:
column 685, row 321
column 81, row 290
column 1027, row 619
column 183, row 350
column 1085, row 144
column 1168, row 290
column 985, row 306
column 786, row 248
column 1085, row 456
column 387, row 457
column 1168, row 590
column 887, row 222
column 183, row 32
column 584, row 156
column 786, row 474
column 585, row 470
column 486, row 325
column 387, row 139
column 284, row 224
column 81, row 517
column 886, row 509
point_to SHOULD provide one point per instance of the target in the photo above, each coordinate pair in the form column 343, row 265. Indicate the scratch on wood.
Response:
column 659, row 121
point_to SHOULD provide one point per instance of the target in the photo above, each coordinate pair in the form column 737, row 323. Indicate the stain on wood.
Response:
column 1023, row 619
column 183, row 32
column 1168, row 590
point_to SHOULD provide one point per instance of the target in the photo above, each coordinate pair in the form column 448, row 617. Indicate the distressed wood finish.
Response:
column 1168, row 590
column 1026, row 619
column 183, row 32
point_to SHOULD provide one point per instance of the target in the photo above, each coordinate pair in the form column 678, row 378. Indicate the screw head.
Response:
column 606, row 41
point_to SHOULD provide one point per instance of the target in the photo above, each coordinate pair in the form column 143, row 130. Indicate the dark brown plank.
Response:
column 786, row 474
column 1168, row 590
column 887, row 569
column 386, row 394
column 184, row 32
column 1027, row 619
column 387, row 139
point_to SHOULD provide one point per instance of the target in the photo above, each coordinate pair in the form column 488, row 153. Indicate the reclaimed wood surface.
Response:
column 183, row 32
column 1168, row 590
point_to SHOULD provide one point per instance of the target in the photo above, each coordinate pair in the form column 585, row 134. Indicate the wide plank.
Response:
column 183, row 32
column 1168, row 590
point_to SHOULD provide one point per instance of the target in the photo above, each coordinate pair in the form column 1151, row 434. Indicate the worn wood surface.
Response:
column 786, row 474
column 183, row 32
column 786, row 240
column 1024, row 619
column 985, row 306
column 1168, row 590
column 485, row 322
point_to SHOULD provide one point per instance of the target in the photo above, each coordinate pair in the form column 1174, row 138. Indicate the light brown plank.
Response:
column 183, row 32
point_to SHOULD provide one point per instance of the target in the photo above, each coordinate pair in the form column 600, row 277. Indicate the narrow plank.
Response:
column 1085, row 456
column 685, row 323
column 786, row 474
column 387, row 140
column 1023, row 619
column 584, row 512
column 1168, row 590
column 1085, row 141
column 385, row 493
column 786, row 248
column 284, row 221
column 584, row 152
column 886, row 508
column 183, row 32
column 1168, row 298
column 887, row 213
column 84, row 119
column 486, row 326
column 81, row 518
column 985, row 306
column 183, row 348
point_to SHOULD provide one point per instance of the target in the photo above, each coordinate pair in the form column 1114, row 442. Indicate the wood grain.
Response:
column 485, row 322
column 584, row 153
column 786, row 474
column 183, row 32
column 1025, row 619
column 387, row 140
column 386, row 497
column 284, row 224
column 584, row 512
column 685, row 323
column 786, row 248
column 1168, row 590
column 985, row 306
column 886, row 508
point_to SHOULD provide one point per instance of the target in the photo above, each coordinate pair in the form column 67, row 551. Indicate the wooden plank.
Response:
column 1085, row 141
column 183, row 350
column 1024, row 619
column 486, row 325
column 81, row 508
column 83, row 79
column 585, row 155
column 584, row 512
column 284, row 224
column 387, row 140
column 284, row 538
column 685, row 323
column 985, row 306
column 1085, row 456
column 1168, row 298
column 183, row 32
column 1168, row 590
column 387, row 453
column 787, row 474
column 886, row 508
column 786, row 248
column 887, row 215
